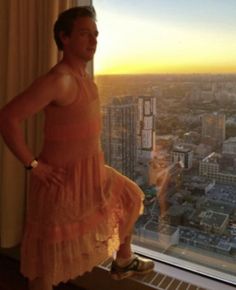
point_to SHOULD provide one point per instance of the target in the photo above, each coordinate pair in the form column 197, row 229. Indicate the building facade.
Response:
column 119, row 136
column 146, row 136
column 229, row 146
column 211, row 167
column 213, row 127
column 183, row 155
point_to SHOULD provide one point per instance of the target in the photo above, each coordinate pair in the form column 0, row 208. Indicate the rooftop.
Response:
column 181, row 149
column 230, row 140
column 214, row 218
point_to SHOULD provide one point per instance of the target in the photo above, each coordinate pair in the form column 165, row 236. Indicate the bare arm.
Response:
column 47, row 89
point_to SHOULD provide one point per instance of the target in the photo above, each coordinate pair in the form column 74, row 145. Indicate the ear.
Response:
column 64, row 38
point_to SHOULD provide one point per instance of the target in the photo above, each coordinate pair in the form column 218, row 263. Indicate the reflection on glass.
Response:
column 175, row 136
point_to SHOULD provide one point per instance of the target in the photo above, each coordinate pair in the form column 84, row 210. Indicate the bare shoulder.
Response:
column 65, row 84
column 59, row 78
column 55, row 87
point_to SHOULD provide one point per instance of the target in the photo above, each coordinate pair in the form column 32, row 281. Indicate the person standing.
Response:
column 79, row 210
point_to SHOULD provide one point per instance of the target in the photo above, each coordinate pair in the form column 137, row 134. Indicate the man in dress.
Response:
column 62, row 93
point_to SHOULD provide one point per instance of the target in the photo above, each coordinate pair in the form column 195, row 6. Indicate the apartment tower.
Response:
column 119, row 136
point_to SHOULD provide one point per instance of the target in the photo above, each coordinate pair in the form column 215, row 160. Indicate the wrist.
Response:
column 33, row 164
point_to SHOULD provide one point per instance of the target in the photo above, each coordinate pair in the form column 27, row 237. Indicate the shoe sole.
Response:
column 121, row 276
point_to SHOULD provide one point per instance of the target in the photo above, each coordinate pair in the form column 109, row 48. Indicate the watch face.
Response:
column 34, row 163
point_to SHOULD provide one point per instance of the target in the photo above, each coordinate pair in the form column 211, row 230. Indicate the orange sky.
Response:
column 128, row 45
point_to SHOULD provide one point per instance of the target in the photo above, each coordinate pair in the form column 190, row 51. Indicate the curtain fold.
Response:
column 27, row 50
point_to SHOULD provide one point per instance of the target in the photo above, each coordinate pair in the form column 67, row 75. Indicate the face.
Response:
column 82, row 41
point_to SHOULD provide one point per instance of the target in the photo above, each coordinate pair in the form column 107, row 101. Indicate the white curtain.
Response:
column 27, row 50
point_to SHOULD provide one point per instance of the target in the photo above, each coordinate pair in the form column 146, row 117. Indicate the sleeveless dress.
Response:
column 70, row 229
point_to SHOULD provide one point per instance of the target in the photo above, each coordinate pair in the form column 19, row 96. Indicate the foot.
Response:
column 138, row 266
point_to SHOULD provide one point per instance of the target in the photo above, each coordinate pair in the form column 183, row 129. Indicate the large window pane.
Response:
column 166, row 73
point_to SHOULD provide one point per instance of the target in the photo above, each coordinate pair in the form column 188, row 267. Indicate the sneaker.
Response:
column 138, row 266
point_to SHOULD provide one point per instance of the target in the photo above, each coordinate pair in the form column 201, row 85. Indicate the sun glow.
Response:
column 129, row 45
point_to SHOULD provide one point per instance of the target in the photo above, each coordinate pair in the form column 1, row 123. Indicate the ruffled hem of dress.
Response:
column 67, row 260
column 74, row 249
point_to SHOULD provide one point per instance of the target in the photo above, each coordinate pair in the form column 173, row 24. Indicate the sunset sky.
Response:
column 166, row 36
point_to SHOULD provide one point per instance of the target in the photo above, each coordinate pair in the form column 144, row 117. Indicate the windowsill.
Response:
column 191, row 278
column 187, row 271
column 99, row 279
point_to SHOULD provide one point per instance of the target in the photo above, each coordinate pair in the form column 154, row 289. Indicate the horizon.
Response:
column 165, row 37
column 167, row 73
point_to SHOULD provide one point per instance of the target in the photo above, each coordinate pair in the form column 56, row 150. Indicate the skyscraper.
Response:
column 146, row 127
column 119, row 136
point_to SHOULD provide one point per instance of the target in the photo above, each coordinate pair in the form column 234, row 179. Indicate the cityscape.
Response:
column 175, row 136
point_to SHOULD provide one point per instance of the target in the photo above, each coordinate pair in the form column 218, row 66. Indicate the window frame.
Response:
column 168, row 259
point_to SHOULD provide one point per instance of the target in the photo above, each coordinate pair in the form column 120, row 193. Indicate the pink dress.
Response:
column 70, row 229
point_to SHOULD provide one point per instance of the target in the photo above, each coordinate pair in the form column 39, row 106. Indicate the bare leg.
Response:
column 127, row 264
column 40, row 284
column 124, row 251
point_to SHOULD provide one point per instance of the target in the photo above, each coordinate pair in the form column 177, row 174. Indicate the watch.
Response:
column 32, row 165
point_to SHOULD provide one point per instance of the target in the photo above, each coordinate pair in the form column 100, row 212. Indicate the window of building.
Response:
column 166, row 75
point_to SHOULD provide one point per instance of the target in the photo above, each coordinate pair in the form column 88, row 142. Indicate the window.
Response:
column 166, row 75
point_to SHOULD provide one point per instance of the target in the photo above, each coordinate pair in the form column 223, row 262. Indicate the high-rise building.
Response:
column 146, row 138
column 119, row 136
column 183, row 155
column 213, row 127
